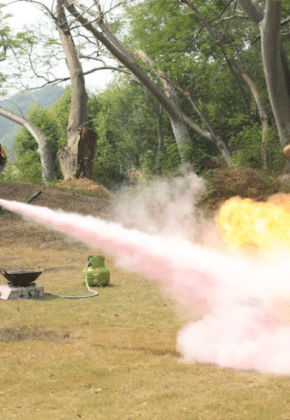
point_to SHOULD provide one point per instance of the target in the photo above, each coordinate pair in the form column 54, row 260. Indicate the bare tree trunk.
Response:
column 77, row 161
column 256, row 14
column 252, row 9
column 178, row 123
column 77, row 154
column 273, row 69
column 44, row 150
column 86, row 152
column 275, row 64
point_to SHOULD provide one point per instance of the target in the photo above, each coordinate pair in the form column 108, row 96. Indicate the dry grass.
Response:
column 109, row 357
column 113, row 356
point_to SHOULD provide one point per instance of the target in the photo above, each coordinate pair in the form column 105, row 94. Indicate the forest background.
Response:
column 134, row 131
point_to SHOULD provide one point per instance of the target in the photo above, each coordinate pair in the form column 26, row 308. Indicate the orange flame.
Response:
column 250, row 225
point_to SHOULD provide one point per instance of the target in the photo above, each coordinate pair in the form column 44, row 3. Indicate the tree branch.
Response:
column 98, row 15
column 209, row 135
column 251, row 8
column 43, row 144
column 238, row 65
column 38, row 3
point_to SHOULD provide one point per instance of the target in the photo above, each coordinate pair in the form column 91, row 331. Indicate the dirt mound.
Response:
column 86, row 185
column 15, row 230
column 71, row 200
column 239, row 181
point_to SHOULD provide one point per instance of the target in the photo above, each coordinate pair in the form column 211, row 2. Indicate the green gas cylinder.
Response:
column 97, row 273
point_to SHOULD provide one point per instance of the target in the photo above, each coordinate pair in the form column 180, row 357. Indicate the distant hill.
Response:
column 22, row 102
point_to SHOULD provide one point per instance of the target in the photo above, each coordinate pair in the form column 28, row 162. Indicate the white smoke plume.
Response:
column 246, row 302
column 167, row 207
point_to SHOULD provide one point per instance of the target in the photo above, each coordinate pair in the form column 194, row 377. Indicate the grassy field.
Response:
column 113, row 356
column 109, row 357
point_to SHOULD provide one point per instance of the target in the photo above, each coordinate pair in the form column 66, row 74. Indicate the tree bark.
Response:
column 178, row 124
column 78, row 112
column 275, row 64
column 256, row 14
column 76, row 159
column 43, row 144
column 86, row 152
column 273, row 69
column 252, row 9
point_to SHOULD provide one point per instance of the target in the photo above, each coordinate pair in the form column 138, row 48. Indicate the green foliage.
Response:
column 126, row 123
column 27, row 160
column 60, row 113
column 247, row 146
column 108, row 157
column 127, row 130
column 171, row 34
column 51, row 42
column 52, row 121
column 169, row 160
column 275, row 158
column 9, row 174
column 164, row 33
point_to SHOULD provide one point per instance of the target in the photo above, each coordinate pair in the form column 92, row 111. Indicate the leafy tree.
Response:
column 26, row 165
column 126, row 130
column 196, row 57
column 127, row 127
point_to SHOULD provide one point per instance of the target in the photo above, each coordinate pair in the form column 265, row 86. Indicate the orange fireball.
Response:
column 251, row 225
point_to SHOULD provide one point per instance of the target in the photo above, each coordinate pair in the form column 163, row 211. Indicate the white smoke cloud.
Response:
column 245, row 302
column 164, row 206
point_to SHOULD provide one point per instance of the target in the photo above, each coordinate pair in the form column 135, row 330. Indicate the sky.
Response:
column 28, row 14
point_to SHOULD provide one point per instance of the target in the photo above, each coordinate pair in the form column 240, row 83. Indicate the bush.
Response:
column 248, row 146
